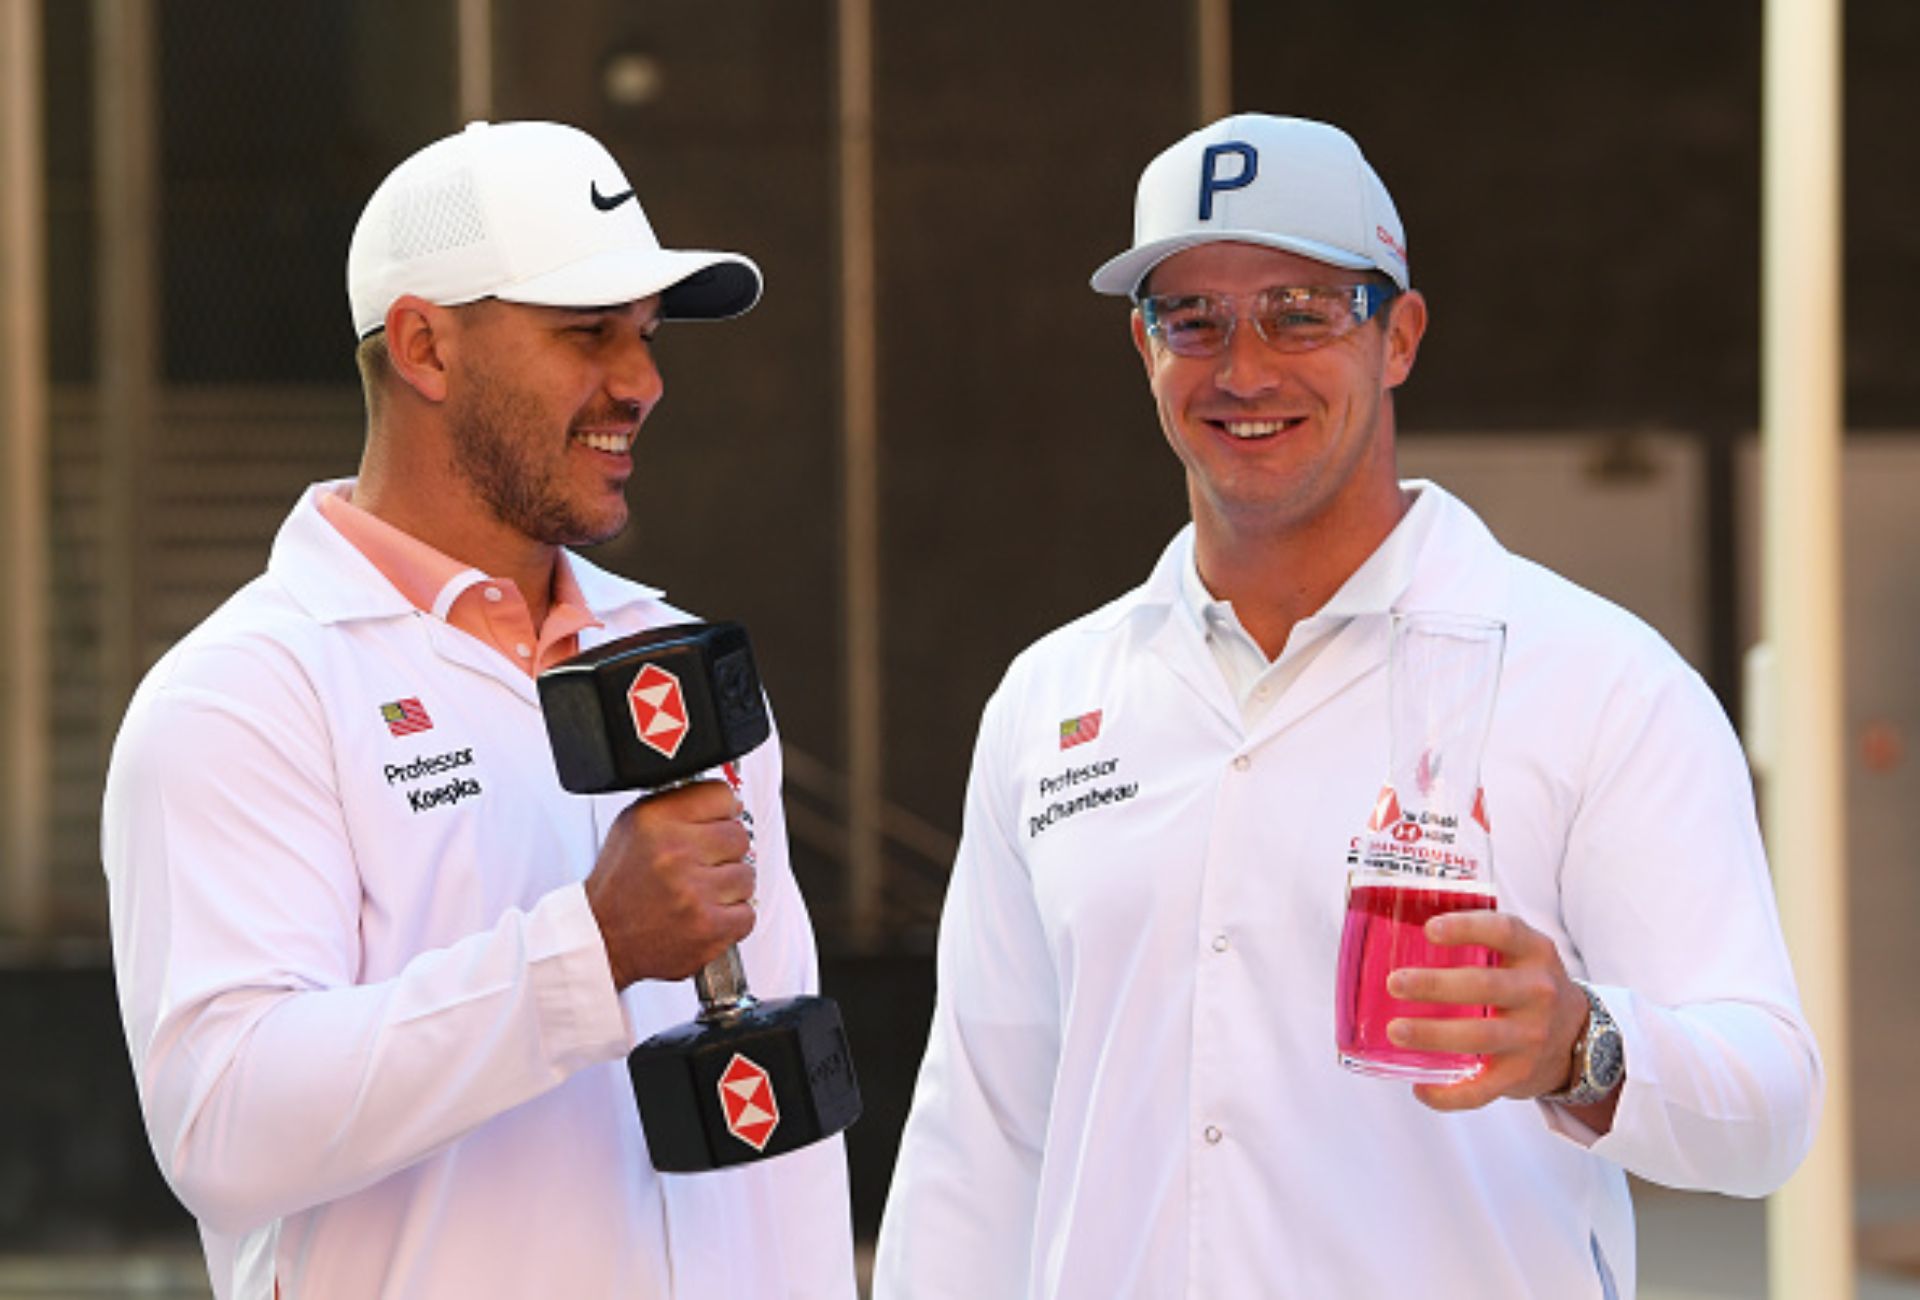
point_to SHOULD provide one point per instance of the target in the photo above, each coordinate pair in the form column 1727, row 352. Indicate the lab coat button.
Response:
column 1241, row 763
column 1213, row 1135
column 1219, row 943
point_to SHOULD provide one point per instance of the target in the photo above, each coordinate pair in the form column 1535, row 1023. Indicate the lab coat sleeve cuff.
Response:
column 584, row 1017
column 1639, row 1086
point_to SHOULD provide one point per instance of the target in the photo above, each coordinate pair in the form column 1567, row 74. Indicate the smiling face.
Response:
column 544, row 414
column 1280, row 444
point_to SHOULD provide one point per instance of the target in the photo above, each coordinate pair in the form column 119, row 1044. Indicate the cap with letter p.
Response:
column 529, row 212
column 1284, row 182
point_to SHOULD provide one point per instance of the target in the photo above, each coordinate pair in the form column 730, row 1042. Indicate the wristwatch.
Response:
column 1599, row 1060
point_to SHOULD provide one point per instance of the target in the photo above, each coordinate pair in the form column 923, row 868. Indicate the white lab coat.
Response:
column 374, row 1031
column 1131, row 1087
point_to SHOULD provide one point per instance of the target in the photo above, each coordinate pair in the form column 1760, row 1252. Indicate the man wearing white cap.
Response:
column 379, row 974
column 1131, row 1087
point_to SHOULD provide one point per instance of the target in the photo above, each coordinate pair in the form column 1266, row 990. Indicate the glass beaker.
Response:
column 1427, row 847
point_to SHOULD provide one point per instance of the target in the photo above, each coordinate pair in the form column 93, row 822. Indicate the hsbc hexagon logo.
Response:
column 659, row 710
column 746, row 1097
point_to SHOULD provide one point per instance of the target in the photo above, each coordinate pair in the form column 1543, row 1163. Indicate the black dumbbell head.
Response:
column 770, row 1079
column 654, row 708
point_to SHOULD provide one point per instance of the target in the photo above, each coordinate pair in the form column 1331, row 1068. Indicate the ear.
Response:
column 1406, row 326
column 1142, row 344
column 418, row 334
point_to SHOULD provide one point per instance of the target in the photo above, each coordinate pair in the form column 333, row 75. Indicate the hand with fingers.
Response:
column 1537, row 1014
column 674, row 883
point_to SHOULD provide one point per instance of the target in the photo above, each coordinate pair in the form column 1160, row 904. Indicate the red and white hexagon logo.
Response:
column 659, row 709
column 746, row 1096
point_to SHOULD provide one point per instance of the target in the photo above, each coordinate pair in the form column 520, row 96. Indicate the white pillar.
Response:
column 1810, row 1222
column 24, row 679
column 860, row 476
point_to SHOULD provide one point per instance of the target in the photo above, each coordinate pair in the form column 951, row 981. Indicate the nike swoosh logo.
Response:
column 604, row 202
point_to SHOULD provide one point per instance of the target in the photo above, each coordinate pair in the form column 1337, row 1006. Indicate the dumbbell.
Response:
column 745, row 1079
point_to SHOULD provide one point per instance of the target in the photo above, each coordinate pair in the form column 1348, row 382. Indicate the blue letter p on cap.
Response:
column 1211, row 183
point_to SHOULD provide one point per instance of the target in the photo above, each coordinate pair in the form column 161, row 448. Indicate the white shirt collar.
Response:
column 1373, row 588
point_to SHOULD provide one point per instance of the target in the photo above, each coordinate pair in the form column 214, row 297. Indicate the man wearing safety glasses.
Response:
column 1131, row 1086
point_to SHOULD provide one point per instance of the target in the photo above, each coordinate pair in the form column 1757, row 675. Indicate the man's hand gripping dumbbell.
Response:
column 674, row 885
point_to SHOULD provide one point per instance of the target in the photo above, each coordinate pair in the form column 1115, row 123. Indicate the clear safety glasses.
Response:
column 1292, row 319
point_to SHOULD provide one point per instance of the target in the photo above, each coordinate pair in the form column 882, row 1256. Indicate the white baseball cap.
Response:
column 533, row 212
column 1285, row 182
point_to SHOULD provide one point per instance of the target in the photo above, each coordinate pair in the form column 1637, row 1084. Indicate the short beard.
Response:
column 490, row 454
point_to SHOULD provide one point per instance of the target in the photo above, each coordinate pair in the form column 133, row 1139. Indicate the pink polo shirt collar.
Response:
column 492, row 610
